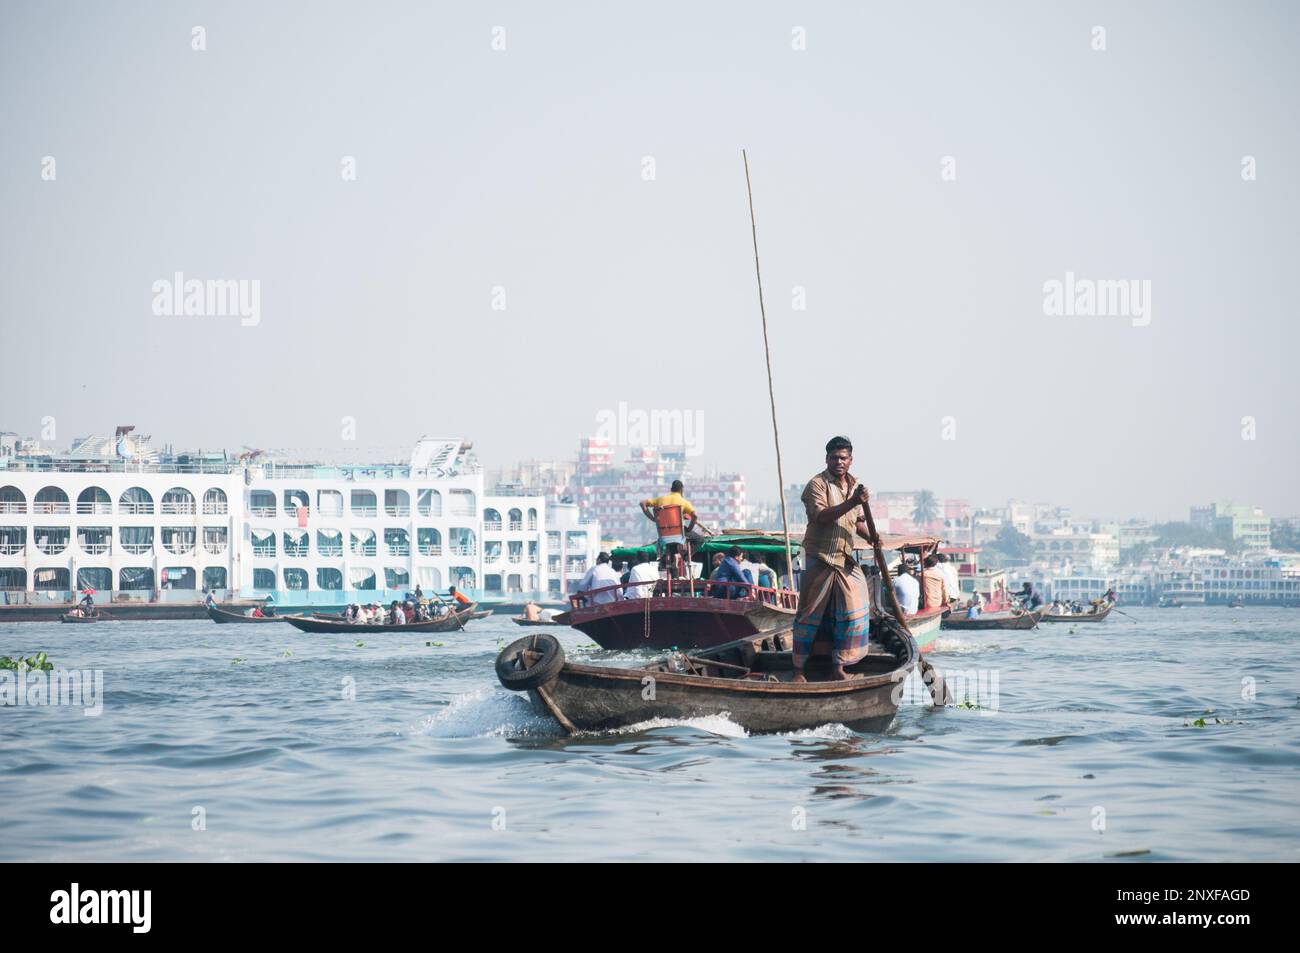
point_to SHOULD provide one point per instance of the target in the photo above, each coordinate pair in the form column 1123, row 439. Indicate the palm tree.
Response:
column 926, row 510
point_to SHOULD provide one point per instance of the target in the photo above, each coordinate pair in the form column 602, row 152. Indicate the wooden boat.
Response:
column 225, row 616
column 448, row 623
column 480, row 615
column 1097, row 616
column 69, row 618
column 925, row 625
column 1021, row 620
column 749, row 680
column 519, row 621
column 696, row 613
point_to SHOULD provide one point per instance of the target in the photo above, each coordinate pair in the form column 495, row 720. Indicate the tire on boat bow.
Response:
column 530, row 662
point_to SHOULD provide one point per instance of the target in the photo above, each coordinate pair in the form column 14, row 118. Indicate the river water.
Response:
column 241, row 743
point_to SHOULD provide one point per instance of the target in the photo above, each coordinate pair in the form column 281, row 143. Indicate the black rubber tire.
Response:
column 542, row 671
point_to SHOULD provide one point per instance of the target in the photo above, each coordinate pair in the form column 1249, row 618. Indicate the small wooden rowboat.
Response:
column 69, row 618
column 480, row 615
column 448, row 623
column 1021, row 620
column 518, row 621
column 225, row 616
column 748, row 679
column 1082, row 617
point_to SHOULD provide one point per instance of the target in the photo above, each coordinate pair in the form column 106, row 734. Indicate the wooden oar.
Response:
column 938, row 690
column 450, row 609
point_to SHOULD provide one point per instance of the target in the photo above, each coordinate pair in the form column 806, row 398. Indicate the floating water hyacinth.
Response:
column 36, row 663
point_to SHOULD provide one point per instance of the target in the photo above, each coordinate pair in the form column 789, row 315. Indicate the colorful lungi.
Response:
column 840, row 594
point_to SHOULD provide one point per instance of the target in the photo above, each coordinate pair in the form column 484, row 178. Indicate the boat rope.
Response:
column 767, row 353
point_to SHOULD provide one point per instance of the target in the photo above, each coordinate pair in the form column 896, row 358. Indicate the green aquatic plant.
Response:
column 361, row 645
column 236, row 661
column 35, row 663
column 968, row 704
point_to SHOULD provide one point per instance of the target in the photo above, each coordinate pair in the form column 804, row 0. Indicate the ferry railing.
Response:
column 52, row 549
column 703, row 588
column 463, row 550
column 263, row 552
column 10, row 506
column 399, row 549
column 516, row 526
column 177, row 509
column 96, row 549
column 46, row 507
column 135, row 509
column 334, row 550
column 214, row 549
column 492, row 526
column 137, row 549
column 216, row 509
column 365, row 511
column 178, row 548
column 262, row 511
column 12, row 549
column 363, row 549
column 516, row 558
column 397, row 511
column 429, row 549
column 94, row 509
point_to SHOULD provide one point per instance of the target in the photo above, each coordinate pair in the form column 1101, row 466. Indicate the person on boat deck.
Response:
column 88, row 603
column 1028, row 598
column 600, row 576
column 396, row 614
column 459, row 596
column 209, row 600
column 532, row 611
column 731, row 569
column 647, row 574
column 950, row 578
column 269, row 609
column 976, row 606
column 763, row 574
column 674, row 498
column 906, row 588
column 936, row 592
column 832, row 588
column 419, row 593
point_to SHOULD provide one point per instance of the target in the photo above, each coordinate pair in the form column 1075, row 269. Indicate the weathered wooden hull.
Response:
column 924, row 627
column 668, row 622
column 77, row 619
column 1086, row 617
column 1026, row 620
column 518, row 621
column 599, row 698
column 225, row 617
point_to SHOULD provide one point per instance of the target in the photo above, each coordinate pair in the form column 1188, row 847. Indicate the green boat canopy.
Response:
column 767, row 544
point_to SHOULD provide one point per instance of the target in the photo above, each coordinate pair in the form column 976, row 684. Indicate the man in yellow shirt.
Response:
column 672, row 498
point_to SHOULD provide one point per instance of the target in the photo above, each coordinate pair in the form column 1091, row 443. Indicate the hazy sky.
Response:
column 524, row 169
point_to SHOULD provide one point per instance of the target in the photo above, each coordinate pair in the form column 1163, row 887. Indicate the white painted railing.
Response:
column 94, row 509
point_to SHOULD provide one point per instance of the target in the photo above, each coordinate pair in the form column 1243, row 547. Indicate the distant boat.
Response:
column 1022, row 620
column 447, row 623
column 70, row 618
column 1097, row 616
column 521, row 621
column 225, row 616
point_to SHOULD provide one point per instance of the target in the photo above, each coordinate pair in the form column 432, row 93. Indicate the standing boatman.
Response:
column 832, row 589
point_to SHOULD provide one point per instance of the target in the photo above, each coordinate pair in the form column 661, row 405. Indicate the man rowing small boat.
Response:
column 833, row 590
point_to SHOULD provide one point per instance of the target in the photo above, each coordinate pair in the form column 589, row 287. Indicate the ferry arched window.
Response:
column 397, row 503
column 329, row 503
column 135, row 501
column 215, row 504
column 261, row 503
column 295, row 579
column 295, row 543
column 462, row 541
column 328, row 578
column 364, row 503
column 462, row 577
column 94, row 501
column 429, row 577
column 429, row 503
column 295, row 500
column 178, row 501
column 462, row 503
column 492, row 582
column 532, row 518
column 264, row 544
column 516, row 520
column 98, row 578
column 57, row 579
column 136, row 540
column 395, row 577
column 398, row 542
column 12, row 500
column 13, row 578
column 263, row 578
column 13, row 540
column 329, row 542
column 136, row 578
column 178, row 577
column 492, row 550
column 363, row 542
column 361, row 578
column 429, row 541
column 491, row 520
column 215, row 540
column 50, row 499
column 178, row 539
column 513, row 583
column 214, row 577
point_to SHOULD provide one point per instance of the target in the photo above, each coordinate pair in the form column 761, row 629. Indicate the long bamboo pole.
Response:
column 767, row 353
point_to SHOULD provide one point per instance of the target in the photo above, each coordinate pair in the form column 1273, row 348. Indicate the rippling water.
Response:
column 1089, row 727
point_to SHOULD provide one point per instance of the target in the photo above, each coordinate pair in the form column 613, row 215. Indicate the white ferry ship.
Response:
column 112, row 516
